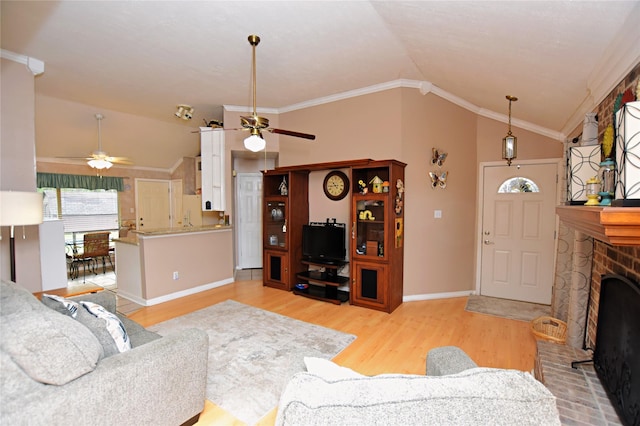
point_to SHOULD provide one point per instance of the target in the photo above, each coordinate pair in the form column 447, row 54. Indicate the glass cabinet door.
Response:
column 275, row 224
column 369, row 229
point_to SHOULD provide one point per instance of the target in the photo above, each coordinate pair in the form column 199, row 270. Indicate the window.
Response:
column 81, row 210
column 518, row 184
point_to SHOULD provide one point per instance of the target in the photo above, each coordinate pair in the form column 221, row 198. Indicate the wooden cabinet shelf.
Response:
column 377, row 237
column 323, row 278
column 323, row 284
column 285, row 209
column 326, row 294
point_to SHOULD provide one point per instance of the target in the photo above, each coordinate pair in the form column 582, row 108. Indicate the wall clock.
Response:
column 336, row 185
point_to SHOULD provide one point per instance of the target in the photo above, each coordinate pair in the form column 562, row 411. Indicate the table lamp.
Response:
column 19, row 209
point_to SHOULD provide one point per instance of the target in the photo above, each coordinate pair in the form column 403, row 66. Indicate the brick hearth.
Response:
column 581, row 399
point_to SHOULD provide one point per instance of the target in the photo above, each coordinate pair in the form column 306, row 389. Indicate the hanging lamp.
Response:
column 510, row 142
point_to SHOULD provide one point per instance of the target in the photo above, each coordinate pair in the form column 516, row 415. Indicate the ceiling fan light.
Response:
column 254, row 143
column 99, row 164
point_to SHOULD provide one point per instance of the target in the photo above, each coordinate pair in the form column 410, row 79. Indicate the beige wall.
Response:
column 363, row 127
column 200, row 258
column 439, row 253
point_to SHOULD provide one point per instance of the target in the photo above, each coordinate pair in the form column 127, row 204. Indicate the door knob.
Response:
column 487, row 242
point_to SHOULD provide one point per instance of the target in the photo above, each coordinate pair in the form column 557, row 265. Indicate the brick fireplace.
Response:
column 594, row 242
column 608, row 259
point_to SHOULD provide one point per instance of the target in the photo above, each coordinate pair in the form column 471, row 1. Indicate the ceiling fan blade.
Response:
column 292, row 133
column 119, row 160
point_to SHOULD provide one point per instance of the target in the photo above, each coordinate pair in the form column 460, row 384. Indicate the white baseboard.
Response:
column 176, row 295
column 433, row 296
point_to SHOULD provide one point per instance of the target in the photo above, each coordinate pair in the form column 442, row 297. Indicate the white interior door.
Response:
column 518, row 230
column 249, row 220
column 152, row 204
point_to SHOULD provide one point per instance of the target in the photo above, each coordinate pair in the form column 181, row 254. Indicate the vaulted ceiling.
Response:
column 145, row 57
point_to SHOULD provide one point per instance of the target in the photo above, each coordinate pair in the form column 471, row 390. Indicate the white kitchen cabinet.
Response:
column 213, row 169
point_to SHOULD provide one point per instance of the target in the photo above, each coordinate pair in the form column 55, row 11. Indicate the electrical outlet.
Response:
column 437, row 214
column 176, row 275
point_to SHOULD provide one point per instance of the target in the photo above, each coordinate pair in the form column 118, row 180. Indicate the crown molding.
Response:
column 248, row 110
column 36, row 66
column 426, row 87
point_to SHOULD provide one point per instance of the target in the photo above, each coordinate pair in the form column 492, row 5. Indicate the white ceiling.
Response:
column 145, row 57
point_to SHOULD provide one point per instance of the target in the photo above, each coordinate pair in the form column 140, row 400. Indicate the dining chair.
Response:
column 95, row 248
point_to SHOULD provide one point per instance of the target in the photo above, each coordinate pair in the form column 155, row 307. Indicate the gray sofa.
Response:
column 57, row 370
column 454, row 392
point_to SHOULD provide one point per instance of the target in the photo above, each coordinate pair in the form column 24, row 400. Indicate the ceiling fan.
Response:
column 100, row 159
column 256, row 124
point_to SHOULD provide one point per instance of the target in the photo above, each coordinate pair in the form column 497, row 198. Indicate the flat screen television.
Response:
column 324, row 243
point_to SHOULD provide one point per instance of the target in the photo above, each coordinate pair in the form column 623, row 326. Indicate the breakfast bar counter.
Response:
column 158, row 265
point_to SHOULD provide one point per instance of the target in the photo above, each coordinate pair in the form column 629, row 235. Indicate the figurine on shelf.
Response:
column 400, row 187
column 376, row 183
column 363, row 187
column 283, row 186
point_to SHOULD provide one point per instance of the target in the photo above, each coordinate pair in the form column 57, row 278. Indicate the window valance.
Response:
column 57, row 180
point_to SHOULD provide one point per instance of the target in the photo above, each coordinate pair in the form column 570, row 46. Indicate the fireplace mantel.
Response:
column 618, row 226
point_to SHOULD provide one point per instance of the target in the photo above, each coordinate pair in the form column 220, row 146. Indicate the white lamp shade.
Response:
column 254, row 143
column 20, row 208
column 590, row 129
column 628, row 151
column 584, row 162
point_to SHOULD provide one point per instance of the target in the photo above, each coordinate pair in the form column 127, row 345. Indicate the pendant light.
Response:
column 510, row 142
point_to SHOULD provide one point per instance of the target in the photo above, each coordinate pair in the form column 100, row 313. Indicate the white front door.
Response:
column 249, row 220
column 152, row 204
column 518, row 227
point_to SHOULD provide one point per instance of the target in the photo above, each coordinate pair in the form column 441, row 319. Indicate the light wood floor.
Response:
column 386, row 343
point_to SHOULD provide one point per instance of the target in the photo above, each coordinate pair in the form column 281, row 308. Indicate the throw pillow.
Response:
column 96, row 325
column 113, row 324
column 49, row 347
column 64, row 306
column 328, row 370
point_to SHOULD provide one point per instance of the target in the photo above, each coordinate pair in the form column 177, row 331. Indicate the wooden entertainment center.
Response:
column 375, row 233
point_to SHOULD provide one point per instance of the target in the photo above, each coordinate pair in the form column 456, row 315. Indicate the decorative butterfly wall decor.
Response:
column 438, row 179
column 438, row 157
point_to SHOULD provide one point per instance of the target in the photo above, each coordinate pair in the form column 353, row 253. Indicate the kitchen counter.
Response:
column 182, row 230
column 158, row 265
column 129, row 239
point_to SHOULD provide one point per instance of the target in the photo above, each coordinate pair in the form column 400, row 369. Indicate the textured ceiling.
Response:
column 145, row 57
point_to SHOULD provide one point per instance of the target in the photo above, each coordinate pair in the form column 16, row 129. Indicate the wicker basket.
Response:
column 549, row 328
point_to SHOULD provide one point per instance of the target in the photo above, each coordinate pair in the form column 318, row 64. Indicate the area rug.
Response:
column 253, row 353
column 504, row 308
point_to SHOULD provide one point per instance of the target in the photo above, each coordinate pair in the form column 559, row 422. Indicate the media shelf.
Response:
column 326, row 282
